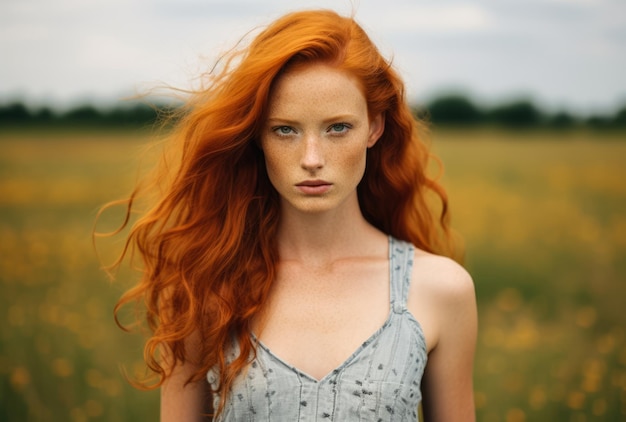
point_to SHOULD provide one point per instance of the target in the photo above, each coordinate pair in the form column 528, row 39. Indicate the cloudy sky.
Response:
column 561, row 53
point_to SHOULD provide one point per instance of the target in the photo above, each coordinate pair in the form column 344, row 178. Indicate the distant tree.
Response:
column 597, row 121
column 516, row 114
column 453, row 109
column 83, row 115
column 14, row 113
column 137, row 115
column 619, row 119
column 561, row 120
column 43, row 116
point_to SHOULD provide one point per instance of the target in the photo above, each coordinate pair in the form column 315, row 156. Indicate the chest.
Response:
column 315, row 320
column 381, row 381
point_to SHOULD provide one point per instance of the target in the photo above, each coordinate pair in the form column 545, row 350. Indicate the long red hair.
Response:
column 208, row 242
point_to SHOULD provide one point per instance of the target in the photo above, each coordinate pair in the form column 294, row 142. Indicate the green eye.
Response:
column 339, row 128
column 283, row 130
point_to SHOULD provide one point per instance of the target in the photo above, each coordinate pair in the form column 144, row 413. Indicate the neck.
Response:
column 321, row 238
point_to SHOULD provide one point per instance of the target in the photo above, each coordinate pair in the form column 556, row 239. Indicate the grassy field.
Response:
column 543, row 216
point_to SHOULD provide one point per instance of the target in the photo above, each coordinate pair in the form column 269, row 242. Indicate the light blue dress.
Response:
column 380, row 381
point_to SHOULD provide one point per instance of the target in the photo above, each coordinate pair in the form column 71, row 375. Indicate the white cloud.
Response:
column 66, row 48
column 436, row 18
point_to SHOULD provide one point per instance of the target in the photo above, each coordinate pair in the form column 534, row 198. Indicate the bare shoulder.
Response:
column 442, row 298
column 441, row 277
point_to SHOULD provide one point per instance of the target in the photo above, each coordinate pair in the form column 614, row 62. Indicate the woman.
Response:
column 292, row 264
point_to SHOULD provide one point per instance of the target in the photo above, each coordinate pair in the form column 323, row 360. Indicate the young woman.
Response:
column 293, row 263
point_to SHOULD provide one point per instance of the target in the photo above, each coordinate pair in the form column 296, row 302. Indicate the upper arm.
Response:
column 182, row 401
column 443, row 297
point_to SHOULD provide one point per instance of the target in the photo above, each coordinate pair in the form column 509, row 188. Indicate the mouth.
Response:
column 313, row 183
column 314, row 187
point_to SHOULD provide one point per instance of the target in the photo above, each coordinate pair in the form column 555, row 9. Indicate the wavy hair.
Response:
column 207, row 243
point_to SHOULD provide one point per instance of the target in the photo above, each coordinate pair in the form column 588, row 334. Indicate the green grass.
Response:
column 543, row 219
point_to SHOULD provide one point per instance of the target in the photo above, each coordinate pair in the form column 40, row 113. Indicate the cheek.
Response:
column 275, row 160
column 354, row 159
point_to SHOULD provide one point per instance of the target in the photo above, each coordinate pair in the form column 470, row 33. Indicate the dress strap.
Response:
column 401, row 265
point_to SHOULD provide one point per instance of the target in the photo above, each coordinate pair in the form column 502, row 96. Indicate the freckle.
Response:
column 303, row 403
column 380, row 366
column 359, row 382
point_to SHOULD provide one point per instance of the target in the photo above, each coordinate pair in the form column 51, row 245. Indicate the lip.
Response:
column 314, row 187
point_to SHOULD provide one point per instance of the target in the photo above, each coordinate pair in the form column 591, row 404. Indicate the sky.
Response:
column 561, row 54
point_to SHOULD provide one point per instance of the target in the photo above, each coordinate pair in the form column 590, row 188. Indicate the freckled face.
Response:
column 316, row 137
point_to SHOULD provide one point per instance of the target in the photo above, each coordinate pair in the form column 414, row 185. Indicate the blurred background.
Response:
column 527, row 105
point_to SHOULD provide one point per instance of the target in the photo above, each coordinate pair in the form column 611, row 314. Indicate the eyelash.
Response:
column 278, row 130
column 343, row 128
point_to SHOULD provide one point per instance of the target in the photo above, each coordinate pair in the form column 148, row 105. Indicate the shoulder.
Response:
column 441, row 296
column 440, row 276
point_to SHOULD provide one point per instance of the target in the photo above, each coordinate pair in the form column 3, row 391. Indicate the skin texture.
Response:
column 319, row 129
column 181, row 401
column 317, row 119
column 442, row 299
column 332, row 287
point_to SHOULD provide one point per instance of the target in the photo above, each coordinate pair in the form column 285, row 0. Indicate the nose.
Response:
column 312, row 155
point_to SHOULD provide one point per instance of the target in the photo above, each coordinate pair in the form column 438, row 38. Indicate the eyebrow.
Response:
column 337, row 118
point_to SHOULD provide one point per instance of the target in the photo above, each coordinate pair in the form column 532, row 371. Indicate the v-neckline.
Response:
column 334, row 371
column 359, row 349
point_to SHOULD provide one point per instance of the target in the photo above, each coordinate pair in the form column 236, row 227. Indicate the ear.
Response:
column 377, row 127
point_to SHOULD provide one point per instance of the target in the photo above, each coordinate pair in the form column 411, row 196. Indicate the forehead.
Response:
column 314, row 89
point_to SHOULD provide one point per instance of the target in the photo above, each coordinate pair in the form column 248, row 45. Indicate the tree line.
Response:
column 450, row 110
column 459, row 110
column 17, row 114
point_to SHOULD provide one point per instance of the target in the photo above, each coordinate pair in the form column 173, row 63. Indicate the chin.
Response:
column 312, row 206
